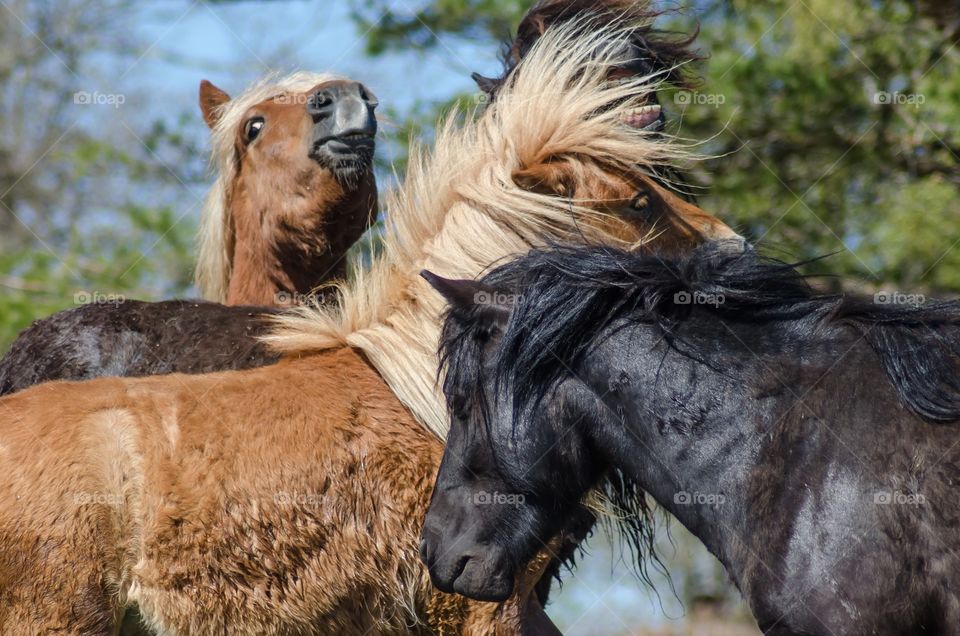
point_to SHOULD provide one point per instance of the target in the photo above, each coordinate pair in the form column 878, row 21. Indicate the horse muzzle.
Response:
column 479, row 572
column 344, row 125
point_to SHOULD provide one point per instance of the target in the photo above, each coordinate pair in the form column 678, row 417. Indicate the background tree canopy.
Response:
column 828, row 127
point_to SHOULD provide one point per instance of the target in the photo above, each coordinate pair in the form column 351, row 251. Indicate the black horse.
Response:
column 138, row 338
column 804, row 438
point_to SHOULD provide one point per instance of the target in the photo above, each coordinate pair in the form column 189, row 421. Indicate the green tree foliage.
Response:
column 836, row 130
column 90, row 195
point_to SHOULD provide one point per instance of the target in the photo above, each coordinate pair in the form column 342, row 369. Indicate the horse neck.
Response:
column 398, row 315
column 291, row 241
column 687, row 436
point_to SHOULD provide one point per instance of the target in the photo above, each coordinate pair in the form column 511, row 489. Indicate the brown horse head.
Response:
column 639, row 200
column 295, row 187
column 637, row 207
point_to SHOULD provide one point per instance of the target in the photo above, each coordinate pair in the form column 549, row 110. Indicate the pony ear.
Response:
column 550, row 178
column 211, row 99
column 461, row 293
column 470, row 294
column 486, row 84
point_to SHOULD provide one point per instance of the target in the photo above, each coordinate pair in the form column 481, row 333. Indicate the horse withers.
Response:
column 808, row 440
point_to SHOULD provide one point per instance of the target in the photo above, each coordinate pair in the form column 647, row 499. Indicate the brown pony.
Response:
column 295, row 186
column 288, row 499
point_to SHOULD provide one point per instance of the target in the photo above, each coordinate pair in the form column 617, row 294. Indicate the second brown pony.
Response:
column 294, row 189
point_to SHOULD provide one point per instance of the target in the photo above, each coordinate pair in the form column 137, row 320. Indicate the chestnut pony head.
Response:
column 641, row 199
column 294, row 189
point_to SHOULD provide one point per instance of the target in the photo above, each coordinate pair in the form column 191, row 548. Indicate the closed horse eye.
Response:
column 253, row 127
column 459, row 407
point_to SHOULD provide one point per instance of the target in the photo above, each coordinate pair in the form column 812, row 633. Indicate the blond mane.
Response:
column 215, row 237
column 459, row 211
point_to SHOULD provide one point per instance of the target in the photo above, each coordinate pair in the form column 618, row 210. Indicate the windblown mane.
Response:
column 216, row 234
column 667, row 52
column 459, row 211
column 571, row 293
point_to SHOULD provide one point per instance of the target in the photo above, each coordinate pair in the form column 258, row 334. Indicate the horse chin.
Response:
column 534, row 620
column 484, row 581
column 347, row 162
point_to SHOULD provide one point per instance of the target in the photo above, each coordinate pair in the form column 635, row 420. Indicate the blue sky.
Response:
column 234, row 44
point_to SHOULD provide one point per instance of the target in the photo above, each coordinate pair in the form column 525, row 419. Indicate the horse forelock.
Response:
column 459, row 210
column 215, row 235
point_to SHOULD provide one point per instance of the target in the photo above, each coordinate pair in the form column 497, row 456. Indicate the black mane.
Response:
column 568, row 294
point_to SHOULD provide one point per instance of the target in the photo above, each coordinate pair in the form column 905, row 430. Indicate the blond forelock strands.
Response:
column 216, row 237
column 458, row 211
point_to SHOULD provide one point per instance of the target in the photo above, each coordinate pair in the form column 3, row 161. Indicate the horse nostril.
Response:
column 366, row 96
column 319, row 101
column 460, row 567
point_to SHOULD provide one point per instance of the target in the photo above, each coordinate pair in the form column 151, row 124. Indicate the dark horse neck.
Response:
column 286, row 247
column 779, row 456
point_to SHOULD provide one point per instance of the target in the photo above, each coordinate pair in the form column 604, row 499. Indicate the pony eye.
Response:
column 253, row 127
column 458, row 406
column 641, row 202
